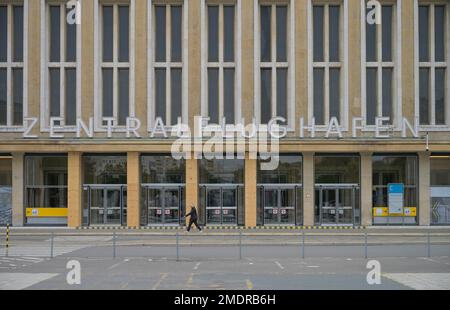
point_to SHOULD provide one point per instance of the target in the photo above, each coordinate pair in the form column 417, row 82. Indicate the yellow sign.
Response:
column 384, row 212
column 46, row 212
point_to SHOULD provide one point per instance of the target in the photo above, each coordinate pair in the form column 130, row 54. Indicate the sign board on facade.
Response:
column 396, row 193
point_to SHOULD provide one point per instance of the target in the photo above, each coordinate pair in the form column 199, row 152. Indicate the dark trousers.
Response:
column 193, row 221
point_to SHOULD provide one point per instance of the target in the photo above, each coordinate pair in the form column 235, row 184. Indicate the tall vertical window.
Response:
column 61, row 66
column 221, row 66
column 11, row 65
column 167, row 72
column 380, row 61
column 274, row 58
column 432, row 32
column 115, row 62
column 327, row 64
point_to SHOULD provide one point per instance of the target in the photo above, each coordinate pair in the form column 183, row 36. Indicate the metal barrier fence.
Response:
column 181, row 246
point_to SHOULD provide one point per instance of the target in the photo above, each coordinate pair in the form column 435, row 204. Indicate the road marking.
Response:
column 163, row 277
column 313, row 266
column 279, row 265
column 196, row 266
column 124, row 286
column 249, row 285
column 190, row 280
column 118, row 264
column 434, row 261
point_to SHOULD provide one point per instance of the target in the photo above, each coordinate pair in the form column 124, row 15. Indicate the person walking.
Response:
column 193, row 219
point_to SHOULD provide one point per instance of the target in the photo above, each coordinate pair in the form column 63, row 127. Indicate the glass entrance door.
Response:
column 221, row 206
column 337, row 205
column 107, row 205
column 279, row 206
column 164, row 205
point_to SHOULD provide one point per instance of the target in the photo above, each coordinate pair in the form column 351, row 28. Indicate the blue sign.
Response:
column 396, row 194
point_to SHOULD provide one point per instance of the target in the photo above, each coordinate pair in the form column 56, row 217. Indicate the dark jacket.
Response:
column 192, row 214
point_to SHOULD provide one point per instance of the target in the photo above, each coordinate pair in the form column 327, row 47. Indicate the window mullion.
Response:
column 9, row 106
column 433, row 67
column 326, row 46
column 168, row 119
column 221, row 64
column 273, row 21
column 115, row 62
column 62, row 67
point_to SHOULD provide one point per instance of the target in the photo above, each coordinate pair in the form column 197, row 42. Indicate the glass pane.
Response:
column 282, row 87
column 318, row 31
column 45, row 170
column 439, row 30
column 335, row 93
column 228, row 19
column 3, row 98
column 124, row 95
column 3, row 33
column 124, row 33
column 395, row 169
column 55, row 88
column 160, row 93
column 440, row 111
column 289, row 171
column 266, row 33
column 281, row 33
column 71, row 41
column 226, row 171
column 371, row 41
column 18, row 33
column 108, row 109
column 440, row 171
column 424, row 31
column 71, row 97
column 228, row 93
column 55, row 36
column 319, row 96
column 17, row 96
column 334, row 12
column 372, row 96
column 162, row 169
column 213, row 95
column 176, row 33
column 160, row 31
column 105, row 169
column 176, row 110
column 213, row 33
column 387, row 94
column 107, row 33
column 337, row 169
column 266, row 95
column 387, row 32
column 424, row 89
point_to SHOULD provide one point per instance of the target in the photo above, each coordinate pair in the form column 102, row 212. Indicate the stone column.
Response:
column 133, row 189
column 18, row 189
column 308, row 189
column 424, row 189
column 366, row 189
column 250, row 192
column 74, row 176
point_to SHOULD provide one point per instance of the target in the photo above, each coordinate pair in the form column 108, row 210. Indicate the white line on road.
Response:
column 313, row 266
column 196, row 266
column 279, row 265
column 163, row 277
column 118, row 264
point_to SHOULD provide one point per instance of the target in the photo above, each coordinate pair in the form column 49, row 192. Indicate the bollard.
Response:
column 114, row 245
column 178, row 250
column 365, row 246
column 240, row 245
column 429, row 245
column 7, row 241
column 51, row 244
column 303, row 244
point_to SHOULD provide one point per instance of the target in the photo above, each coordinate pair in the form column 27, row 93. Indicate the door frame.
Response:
column 279, row 188
column 221, row 187
column 163, row 188
column 105, row 188
column 337, row 188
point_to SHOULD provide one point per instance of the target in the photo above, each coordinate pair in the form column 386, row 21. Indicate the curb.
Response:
column 212, row 228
